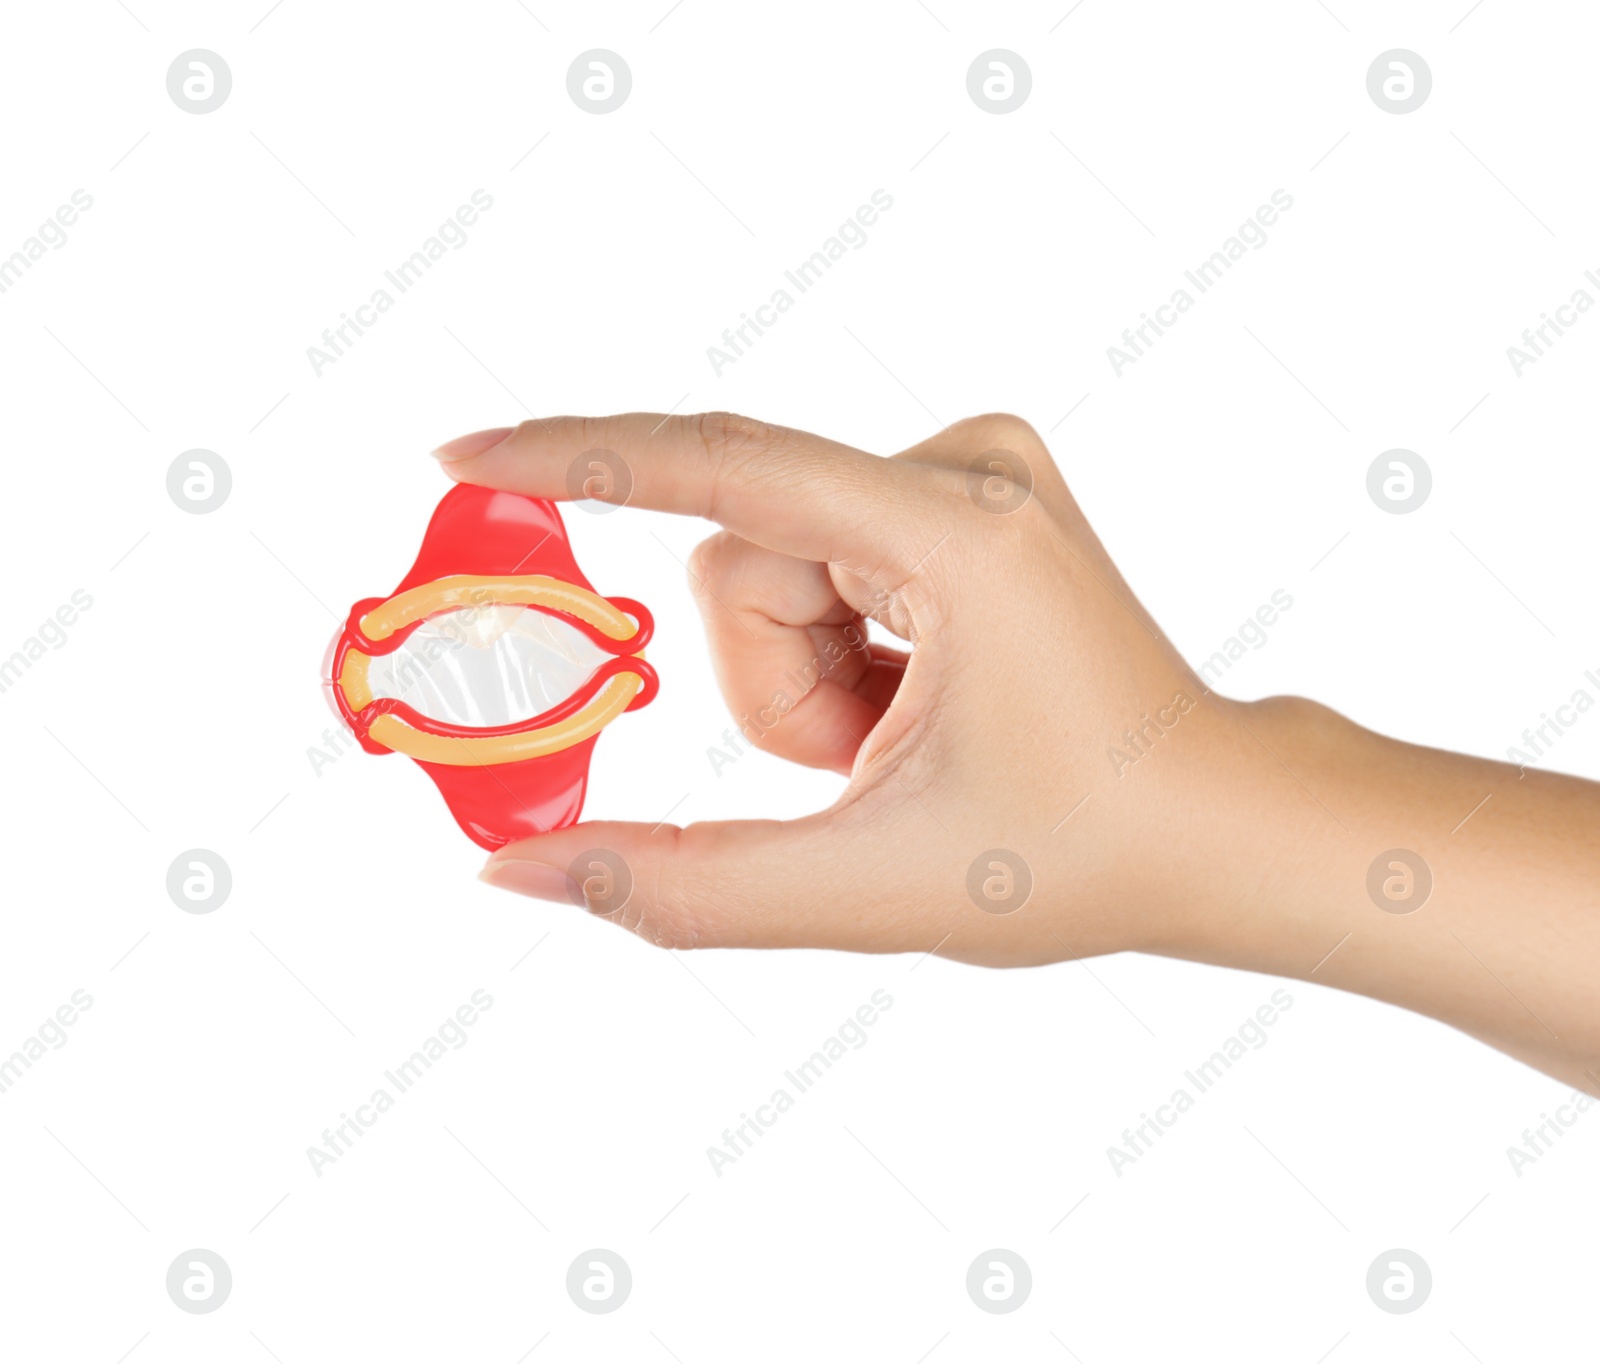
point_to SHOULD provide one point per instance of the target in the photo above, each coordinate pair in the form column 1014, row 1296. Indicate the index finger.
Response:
column 788, row 490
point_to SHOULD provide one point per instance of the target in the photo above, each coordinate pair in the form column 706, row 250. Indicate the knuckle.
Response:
column 696, row 887
column 729, row 442
column 598, row 433
column 674, row 916
column 1005, row 430
column 727, row 435
column 1011, row 472
column 709, row 561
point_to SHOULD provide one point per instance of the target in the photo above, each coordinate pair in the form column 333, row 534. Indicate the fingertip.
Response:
column 473, row 445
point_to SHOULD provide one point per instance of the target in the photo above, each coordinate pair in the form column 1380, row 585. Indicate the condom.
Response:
column 494, row 665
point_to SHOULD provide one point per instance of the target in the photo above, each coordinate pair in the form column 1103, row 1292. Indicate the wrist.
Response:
column 1263, row 884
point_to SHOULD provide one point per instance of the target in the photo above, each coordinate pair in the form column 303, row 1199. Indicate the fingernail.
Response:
column 465, row 447
column 537, row 879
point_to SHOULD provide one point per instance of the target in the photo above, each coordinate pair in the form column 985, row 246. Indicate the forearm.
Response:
column 1506, row 944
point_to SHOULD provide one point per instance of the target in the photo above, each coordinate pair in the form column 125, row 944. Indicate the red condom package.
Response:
column 494, row 665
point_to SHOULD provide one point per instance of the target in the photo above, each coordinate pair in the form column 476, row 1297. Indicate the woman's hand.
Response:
column 1041, row 776
column 1030, row 660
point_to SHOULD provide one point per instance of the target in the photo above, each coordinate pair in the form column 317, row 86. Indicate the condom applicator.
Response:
column 494, row 665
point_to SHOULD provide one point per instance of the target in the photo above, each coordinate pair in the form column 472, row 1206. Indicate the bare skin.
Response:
column 1240, row 834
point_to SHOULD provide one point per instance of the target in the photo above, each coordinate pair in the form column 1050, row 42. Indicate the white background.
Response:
column 180, row 711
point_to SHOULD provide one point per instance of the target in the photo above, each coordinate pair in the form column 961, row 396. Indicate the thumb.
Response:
column 737, row 883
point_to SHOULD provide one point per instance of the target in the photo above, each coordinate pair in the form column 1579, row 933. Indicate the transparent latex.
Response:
column 483, row 666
